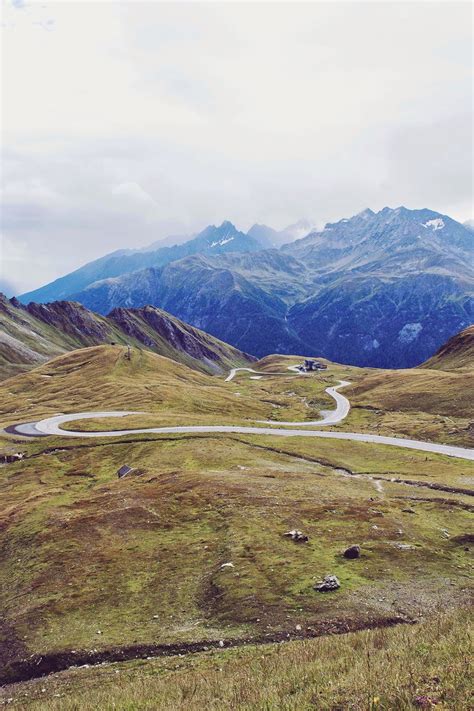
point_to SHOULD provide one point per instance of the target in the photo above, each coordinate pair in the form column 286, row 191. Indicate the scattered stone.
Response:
column 296, row 536
column 327, row 584
column 227, row 565
column 221, row 643
column 298, row 628
column 9, row 458
column 412, row 511
column 352, row 552
column 404, row 546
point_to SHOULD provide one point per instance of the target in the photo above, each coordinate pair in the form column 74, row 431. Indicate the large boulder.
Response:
column 352, row 552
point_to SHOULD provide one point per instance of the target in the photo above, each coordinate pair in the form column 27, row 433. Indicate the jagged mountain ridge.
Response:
column 213, row 240
column 404, row 273
column 31, row 335
column 409, row 240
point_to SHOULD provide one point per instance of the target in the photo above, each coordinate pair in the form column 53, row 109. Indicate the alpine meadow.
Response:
column 236, row 356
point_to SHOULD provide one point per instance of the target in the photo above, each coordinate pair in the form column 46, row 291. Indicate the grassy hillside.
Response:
column 457, row 353
column 423, row 666
column 189, row 548
column 38, row 332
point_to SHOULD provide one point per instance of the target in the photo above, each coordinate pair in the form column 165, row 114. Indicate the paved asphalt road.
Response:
column 52, row 426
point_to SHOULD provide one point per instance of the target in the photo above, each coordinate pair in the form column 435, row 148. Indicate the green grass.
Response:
column 87, row 551
column 407, row 668
column 140, row 559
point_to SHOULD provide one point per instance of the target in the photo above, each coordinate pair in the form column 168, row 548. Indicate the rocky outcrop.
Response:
column 328, row 584
column 74, row 319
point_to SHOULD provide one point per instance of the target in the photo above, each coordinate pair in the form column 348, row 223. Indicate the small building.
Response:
column 312, row 365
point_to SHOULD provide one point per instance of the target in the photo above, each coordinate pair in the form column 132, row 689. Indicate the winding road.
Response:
column 52, row 426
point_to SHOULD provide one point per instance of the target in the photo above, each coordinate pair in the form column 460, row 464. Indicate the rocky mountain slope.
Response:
column 381, row 289
column 384, row 323
column 211, row 295
column 31, row 335
column 212, row 240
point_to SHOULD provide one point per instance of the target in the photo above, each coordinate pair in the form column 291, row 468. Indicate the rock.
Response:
column 327, row 584
column 412, row 511
column 352, row 552
column 227, row 565
column 296, row 536
column 9, row 458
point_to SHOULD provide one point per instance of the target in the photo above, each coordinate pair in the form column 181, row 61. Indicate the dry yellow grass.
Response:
column 403, row 668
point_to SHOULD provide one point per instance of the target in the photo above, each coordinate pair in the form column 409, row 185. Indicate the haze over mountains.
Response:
column 382, row 289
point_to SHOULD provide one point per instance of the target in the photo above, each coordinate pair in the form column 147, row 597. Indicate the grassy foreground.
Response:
column 408, row 667
column 90, row 562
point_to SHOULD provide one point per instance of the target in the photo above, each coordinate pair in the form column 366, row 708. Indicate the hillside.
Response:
column 383, row 289
column 32, row 334
column 189, row 548
column 456, row 354
column 102, row 377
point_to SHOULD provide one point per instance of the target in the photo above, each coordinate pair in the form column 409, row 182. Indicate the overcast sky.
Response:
column 125, row 122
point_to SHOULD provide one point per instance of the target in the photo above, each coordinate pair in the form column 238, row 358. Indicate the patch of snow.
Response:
column 409, row 332
column 436, row 224
column 221, row 242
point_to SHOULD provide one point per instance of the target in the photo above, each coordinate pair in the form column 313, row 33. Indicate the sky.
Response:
column 123, row 123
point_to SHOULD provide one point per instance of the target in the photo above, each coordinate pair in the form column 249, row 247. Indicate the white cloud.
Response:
column 133, row 191
column 128, row 118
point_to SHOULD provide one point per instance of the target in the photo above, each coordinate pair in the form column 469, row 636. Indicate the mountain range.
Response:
column 382, row 289
column 31, row 335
